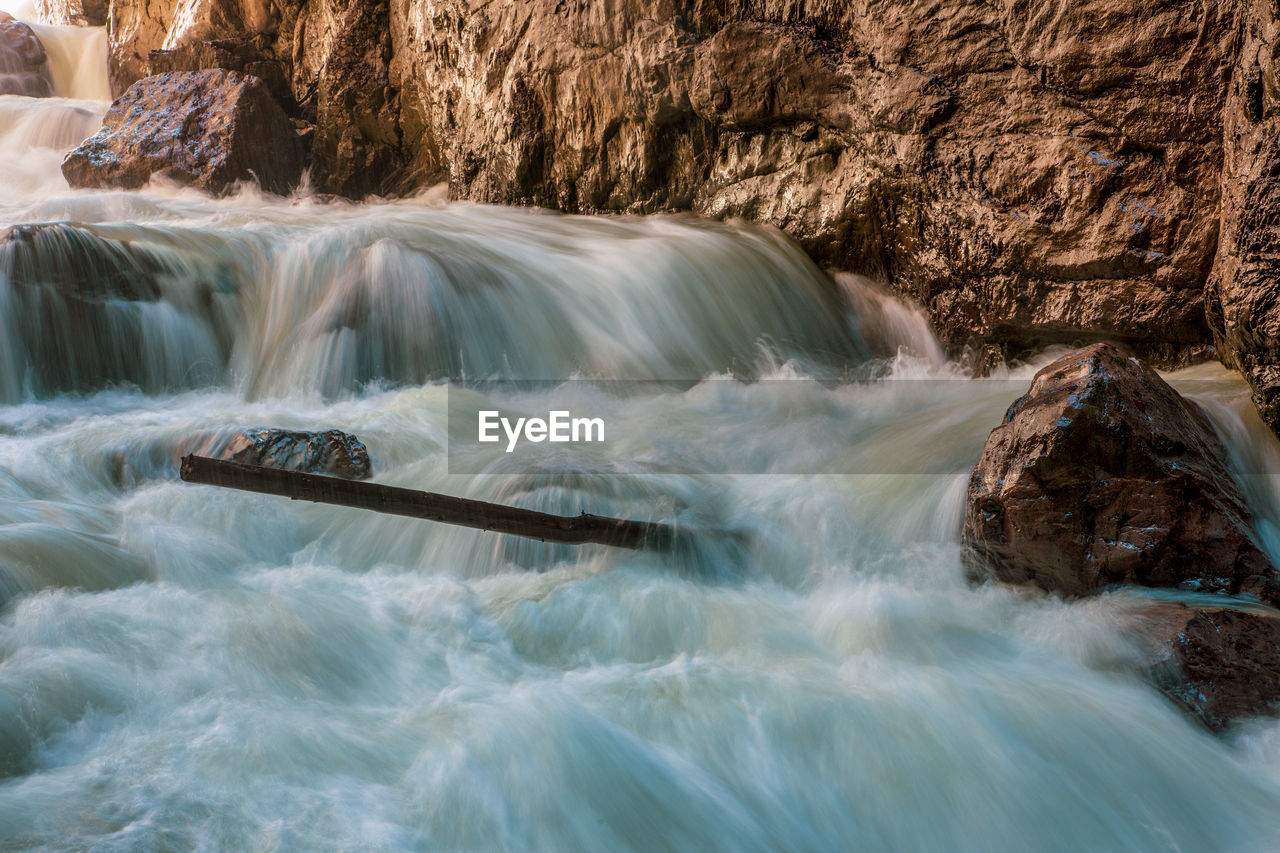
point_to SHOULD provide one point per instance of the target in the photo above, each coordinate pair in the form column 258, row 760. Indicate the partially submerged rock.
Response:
column 333, row 452
column 1103, row 474
column 208, row 129
column 1218, row 664
column 24, row 67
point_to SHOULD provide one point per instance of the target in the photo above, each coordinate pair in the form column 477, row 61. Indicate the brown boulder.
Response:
column 239, row 55
column 208, row 129
column 1218, row 664
column 24, row 69
column 336, row 453
column 1103, row 474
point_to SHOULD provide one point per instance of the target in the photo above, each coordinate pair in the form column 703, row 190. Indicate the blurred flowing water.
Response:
column 183, row 668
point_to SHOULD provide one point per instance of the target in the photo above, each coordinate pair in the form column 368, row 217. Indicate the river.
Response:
column 183, row 668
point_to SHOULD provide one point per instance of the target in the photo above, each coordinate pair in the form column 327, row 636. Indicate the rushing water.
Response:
column 185, row 668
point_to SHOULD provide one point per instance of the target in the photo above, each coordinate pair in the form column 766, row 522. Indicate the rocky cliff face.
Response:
column 1244, row 290
column 1030, row 173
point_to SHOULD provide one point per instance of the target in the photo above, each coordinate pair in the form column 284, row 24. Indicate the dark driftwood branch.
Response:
column 572, row 530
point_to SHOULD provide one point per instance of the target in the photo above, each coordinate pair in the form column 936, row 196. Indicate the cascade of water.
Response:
column 183, row 668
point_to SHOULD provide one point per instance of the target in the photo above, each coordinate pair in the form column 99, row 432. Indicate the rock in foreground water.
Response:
column 1103, row 474
column 1218, row 664
column 332, row 452
column 24, row 67
column 207, row 129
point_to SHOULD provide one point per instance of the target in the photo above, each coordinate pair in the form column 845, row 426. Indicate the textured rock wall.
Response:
column 1031, row 173
column 1244, row 290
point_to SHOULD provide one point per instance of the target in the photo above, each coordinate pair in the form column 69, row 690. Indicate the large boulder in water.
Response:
column 1103, row 474
column 332, row 452
column 24, row 66
column 208, row 129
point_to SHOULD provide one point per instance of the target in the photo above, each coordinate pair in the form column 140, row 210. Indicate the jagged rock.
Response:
column 337, row 54
column 1103, row 474
column 137, row 29
column 237, row 55
column 23, row 63
column 333, row 452
column 81, row 13
column 1244, row 290
column 343, row 50
column 1029, row 183
column 208, row 129
column 1220, row 665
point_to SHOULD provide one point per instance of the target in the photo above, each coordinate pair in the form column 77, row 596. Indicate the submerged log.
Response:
column 317, row 488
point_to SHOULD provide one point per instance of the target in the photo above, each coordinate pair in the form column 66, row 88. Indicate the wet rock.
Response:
column 337, row 55
column 344, row 54
column 208, row 129
column 24, row 68
column 1220, row 665
column 239, row 55
column 1103, row 474
column 1244, row 291
column 1030, row 174
column 332, row 452
column 136, row 29
column 81, row 13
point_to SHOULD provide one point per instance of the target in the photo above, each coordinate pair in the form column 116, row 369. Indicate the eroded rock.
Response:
column 81, row 13
column 239, row 55
column 23, row 63
column 332, row 452
column 1244, row 290
column 207, row 129
column 1218, row 664
column 1103, row 474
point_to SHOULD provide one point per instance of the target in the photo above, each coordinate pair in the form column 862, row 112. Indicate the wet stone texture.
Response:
column 332, row 452
column 1103, row 474
column 207, row 129
column 1218, row 664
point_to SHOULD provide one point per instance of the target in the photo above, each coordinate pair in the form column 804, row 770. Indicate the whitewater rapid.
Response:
column 183, row 668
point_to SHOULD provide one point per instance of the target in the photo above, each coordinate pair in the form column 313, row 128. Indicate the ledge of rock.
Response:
column 24, row 68
column 1218, row 664
column 80, row 13
column 332, row 452
column 208, row 129
column 1103, row 474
